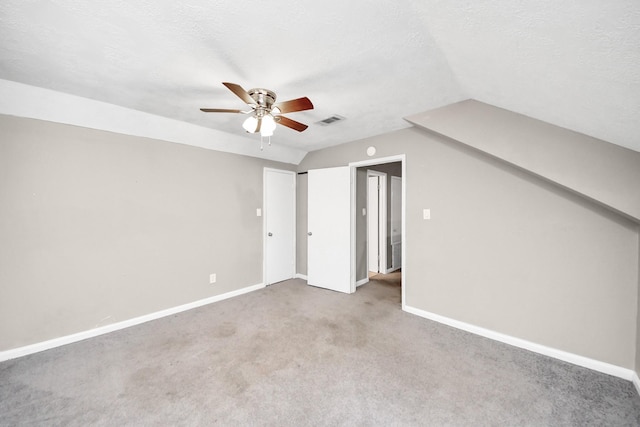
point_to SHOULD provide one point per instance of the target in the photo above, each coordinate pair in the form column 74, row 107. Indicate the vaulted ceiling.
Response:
column 575, row 64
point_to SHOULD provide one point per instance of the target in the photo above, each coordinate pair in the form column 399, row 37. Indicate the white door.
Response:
column 373, row 228
column 396, row 222
column 279, row 225
column 329, row 229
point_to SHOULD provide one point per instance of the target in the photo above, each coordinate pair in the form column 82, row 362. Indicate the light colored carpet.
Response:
column 296, row 355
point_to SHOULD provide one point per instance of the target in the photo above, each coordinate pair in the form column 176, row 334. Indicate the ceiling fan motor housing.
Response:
column 263, row 97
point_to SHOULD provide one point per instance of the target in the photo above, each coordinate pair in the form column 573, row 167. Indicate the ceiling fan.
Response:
column 265, row 113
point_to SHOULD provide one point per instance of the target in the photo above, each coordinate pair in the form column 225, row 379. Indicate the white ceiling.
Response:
column 575, row 64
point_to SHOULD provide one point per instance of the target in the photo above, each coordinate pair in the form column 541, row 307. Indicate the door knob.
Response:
column 309, row 233
column 269, row 234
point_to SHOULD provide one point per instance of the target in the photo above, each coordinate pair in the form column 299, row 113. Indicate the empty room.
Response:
column 331, row 213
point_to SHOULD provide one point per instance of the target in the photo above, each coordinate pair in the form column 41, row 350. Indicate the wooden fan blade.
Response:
column 284, row 121
column 240, row 92
column 294, row 105
column 220, row 110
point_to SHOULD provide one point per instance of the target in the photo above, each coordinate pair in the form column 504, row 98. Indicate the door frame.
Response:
column 382, row 218
column 402, row 158
column 264, row 219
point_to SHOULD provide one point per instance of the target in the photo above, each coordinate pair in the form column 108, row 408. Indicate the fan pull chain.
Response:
column 262, row 142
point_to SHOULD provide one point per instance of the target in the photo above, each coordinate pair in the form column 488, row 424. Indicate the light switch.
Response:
column 364, row 211
column 426, row 213
column 258, row 212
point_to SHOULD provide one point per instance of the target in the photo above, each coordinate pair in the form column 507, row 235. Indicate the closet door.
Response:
column 329, row 229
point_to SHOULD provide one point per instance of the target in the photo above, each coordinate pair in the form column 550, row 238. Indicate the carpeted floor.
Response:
column 294, row 355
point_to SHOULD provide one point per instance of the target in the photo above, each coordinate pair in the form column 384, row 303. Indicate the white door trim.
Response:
column 354, row 165
column 264, row 220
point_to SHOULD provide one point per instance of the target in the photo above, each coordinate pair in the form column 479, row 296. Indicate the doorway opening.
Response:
column 386, row 224
column 376, row 215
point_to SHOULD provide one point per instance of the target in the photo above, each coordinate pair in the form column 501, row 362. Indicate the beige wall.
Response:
column 604, row 172
column 97, row 227
column 507, row 251
column 301, row 226
column 362, row 260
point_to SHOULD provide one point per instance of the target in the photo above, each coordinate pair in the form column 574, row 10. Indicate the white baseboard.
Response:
column 68, row 339
column 391, row 270
column 362, row 282
column 585, row 362
column 636, row 382
column 301, row 276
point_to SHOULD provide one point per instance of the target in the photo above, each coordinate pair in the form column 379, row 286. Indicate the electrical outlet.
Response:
column 212, row 278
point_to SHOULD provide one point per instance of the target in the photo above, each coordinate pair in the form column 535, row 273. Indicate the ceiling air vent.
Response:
column 330, row 120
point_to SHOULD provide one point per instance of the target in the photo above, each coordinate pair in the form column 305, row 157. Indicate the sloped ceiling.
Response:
column 573, row 64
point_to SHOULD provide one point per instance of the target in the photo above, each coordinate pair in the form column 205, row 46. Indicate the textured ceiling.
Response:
column 574, row 64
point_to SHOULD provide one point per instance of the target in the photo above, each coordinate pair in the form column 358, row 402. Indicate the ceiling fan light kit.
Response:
column 265, row 114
